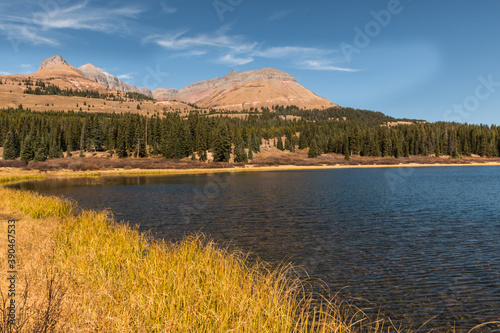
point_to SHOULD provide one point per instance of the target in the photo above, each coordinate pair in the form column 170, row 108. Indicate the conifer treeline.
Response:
column 45, row 88
column 40, row 135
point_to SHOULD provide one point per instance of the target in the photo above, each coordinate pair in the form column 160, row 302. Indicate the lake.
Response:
column 415, row 243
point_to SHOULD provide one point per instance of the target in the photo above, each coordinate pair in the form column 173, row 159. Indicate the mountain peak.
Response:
column 263, row 74
column 108, row 80
column 255, row 88
column 90, row 66
column 55, row 60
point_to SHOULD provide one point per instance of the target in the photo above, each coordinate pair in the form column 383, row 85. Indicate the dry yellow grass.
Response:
column 11, row 95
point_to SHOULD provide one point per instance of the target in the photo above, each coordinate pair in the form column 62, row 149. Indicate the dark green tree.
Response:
column 240, row 155
column 27, row 153
column 314, row 150
column 222, row 144
column 250, row 154
column 279, row 144
column 11, row 148
column 121, row 149
column 55, row 150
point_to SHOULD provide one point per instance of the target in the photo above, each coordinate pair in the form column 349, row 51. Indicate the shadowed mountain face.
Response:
column 263, row 87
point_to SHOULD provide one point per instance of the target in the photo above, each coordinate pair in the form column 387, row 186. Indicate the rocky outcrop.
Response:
column 146, row 91
column 55, row 66
column 163, row 94
column 110, row 81
column 54, row 61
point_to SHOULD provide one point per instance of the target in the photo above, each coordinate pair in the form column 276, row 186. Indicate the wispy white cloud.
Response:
column 5, row 73
column 81, row 17
column 230, row 59
column 281, row 14
column 17, row 34
column 167, row 8
column 291, row 51
column 34, row 23
column 127, row 76
column 322, row 65
column 236, row 50
column 192, row 53
column 180, row 41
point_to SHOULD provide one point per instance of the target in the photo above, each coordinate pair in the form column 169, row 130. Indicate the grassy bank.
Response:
column 85, row 272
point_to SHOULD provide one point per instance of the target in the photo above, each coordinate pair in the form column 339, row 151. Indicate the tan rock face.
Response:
column 163, row 94
column 106, row 79
column 258, row 88
column 54, row 61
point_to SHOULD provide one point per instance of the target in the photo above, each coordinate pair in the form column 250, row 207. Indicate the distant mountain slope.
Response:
column 57, row 67
column 55, row 71
column 256, row 88
column 264, row 87
column 104, row 78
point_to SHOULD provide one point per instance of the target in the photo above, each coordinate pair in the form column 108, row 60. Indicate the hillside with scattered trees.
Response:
column 37, row 136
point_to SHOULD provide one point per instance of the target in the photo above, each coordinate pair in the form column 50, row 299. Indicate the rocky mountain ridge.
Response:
column 264, row 87
column 57, row 65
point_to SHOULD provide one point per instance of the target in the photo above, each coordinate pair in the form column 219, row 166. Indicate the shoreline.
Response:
column 20, row 174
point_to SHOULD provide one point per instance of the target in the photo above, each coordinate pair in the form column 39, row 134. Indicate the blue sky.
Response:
column 433, row 60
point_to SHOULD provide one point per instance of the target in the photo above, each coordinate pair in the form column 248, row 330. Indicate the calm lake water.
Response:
column 415, row 243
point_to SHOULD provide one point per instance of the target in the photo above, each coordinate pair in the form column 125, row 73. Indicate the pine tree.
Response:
column 255, row 145
column 55, row 150
column 10, row 147
column 222, row 144
column 347, row 156
column 288, row 144
column 345, row 146
column 250, row 154
column 239, row 153
column 303, row 141
column 203, row 156
column 330, row 148
column 68, row 151
column 279, row 145
column 27, row 152
column 313, row 150
column 121, row 149
column 41, row 153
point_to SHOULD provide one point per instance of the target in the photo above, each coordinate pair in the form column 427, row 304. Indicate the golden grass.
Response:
column 16, row 178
